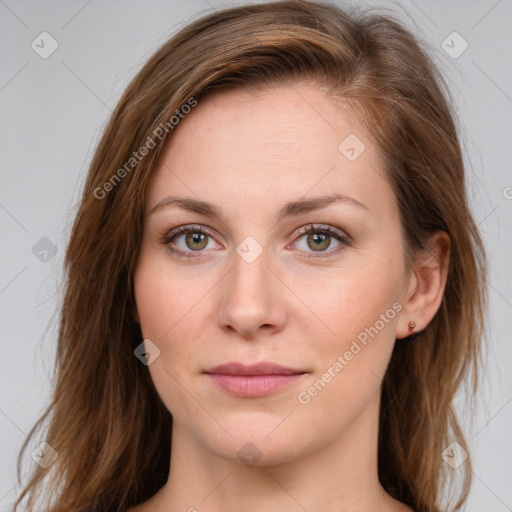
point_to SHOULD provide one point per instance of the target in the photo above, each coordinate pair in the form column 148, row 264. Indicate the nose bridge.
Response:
column 249, row 298
column 249, row 278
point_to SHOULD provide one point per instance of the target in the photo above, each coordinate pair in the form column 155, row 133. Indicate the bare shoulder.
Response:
column 398, row 506
column 402, row 507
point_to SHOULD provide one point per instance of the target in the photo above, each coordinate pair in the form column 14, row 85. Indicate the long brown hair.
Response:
column 105, row 420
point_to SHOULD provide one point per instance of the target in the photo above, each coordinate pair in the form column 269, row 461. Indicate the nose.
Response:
column 252, row 300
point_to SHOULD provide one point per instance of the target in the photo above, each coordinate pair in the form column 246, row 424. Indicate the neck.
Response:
column 340, row 475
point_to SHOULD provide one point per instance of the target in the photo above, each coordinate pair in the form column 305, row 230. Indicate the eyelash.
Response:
column 167, row 237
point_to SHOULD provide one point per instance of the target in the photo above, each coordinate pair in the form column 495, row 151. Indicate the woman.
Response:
column 275, row 284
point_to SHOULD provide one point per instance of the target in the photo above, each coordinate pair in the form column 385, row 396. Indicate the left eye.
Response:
column 195, row 239
column 320, row 238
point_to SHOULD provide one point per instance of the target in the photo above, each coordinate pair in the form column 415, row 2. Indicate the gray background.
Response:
column 52, row 111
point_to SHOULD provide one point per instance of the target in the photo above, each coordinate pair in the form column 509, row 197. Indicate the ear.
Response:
column 426, row 284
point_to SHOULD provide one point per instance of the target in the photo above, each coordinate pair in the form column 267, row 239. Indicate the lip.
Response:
column 263, row 368
column 254, row 380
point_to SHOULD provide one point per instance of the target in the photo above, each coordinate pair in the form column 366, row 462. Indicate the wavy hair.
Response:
column 104, row 404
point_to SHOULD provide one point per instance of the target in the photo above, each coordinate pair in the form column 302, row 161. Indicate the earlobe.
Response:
column 426, row 289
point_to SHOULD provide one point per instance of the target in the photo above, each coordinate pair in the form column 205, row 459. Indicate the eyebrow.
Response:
column 290, row 209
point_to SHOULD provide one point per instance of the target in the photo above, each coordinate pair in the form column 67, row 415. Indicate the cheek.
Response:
column 166, row 304
column 173, row 309
column 165, row 297
column 359, row 308
column 351, row 298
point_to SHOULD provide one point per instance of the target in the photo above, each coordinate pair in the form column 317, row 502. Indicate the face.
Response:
column 269, row 278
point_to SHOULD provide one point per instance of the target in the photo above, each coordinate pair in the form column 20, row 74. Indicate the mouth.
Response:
column 256, row 380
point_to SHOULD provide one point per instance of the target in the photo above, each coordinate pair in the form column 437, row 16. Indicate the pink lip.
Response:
column 255, row 380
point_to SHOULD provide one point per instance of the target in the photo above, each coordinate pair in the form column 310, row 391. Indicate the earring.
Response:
column 412, row 324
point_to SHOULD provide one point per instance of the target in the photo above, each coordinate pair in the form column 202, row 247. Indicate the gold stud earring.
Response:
column 412, row 324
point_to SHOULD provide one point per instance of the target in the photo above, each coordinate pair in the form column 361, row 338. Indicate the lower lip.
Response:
column 253, row 385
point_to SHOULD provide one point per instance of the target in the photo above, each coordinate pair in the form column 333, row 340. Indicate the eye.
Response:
column 190, row 241
column 318, row 239
column 187, row 240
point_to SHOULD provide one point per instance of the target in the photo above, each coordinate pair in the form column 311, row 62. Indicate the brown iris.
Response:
column 196, row 238
column 315, row 238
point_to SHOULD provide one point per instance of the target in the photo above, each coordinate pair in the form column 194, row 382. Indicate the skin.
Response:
column 250, row 153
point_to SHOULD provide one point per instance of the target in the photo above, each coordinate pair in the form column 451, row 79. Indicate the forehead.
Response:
column 282, row 123
column 276, row 144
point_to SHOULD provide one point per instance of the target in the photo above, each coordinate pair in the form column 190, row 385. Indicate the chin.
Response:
column 258, row 445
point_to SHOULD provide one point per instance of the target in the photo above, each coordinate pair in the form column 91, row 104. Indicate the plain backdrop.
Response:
column 53, row 108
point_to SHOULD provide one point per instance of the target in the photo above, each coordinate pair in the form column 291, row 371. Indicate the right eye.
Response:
column 187, row 240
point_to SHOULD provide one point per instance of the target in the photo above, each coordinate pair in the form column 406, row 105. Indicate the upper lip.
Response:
column 263, row 368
